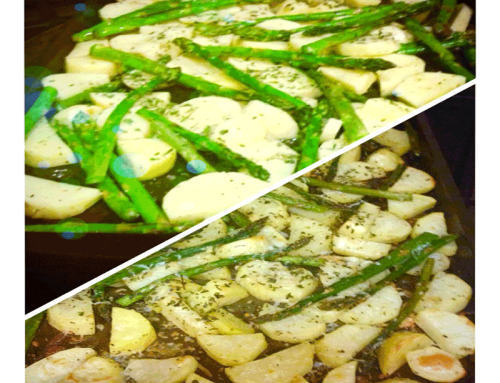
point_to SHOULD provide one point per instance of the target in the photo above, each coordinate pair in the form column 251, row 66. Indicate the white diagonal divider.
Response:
column 250, row 199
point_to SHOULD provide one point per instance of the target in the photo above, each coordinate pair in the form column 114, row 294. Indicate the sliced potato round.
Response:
column 410, row 209
column 278, row 123
column 359, row 81
column 435, row 223
column 397, row 140
column 294, row 329
column 276, row 212
column 388, row 228
column 441, row 263
column 96, row 370
column 173, row 370
column 320, row 242
column 69, row 84
column 252, row 245
column 435, row 365
column 194, row 378
column 73, row 315
column 361, row 248
column 414, row 181
column 233, row 350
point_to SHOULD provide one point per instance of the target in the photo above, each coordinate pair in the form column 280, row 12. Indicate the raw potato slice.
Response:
column 453, row 333
column 414, row 181
column 289, row 80
column 446, row 292
column 320, row 242
column 279, row 25
column 392, row 353
column 167, row 32
column 193, row 378
column 262, row 279
column 173, row 370
column 278, row 123
column 96, row 370
column 280, row 367
column 132, row 126
column 130, row 332
column 276, row 212
column 184, row 202
column 232, row 350
column 406, row 66
column 360, row 248
column 377, row 309
column 328, row 218
column 73, row 315
column 56, row 200
column 435, row 223
column 435, row 365
column 422, row 88
column 58, row 366
column 253, row 245
column 343, row 374
column 228, row 324
column 385, row 159
column 157, row 101
column 77, row 113
column 340, row 197
column 204, row 70
column 69, row 84
column 378, row 112
column 88, row 64
column 211, row 232
column 298, row 40
column 358, row 171
column 358, row 226
column 224, row 40
column 198, row 113
column 328, row 148
column 388, row 228
column 252, row 11
column 43, row 148
column 330, row 129
column 336, row 268
column 149, row 157
column 273, row 45
column 341, row 345
column 359, row 81
column 294, row 329
column 461, row 18
column 397, row 140
column 441, row 263
column 238, row 132
column 128, row 43
column 380, row 41
column 410, row 209
column 293, row 7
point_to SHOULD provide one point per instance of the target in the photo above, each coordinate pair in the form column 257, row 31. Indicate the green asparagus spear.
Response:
column 394, row 176
column 39, row 108
column 301, row 204
column 244, row 31
column 84, row 96
column 456, row 40
column 447, row 8
column 31, row 326
column 107, row 137
column 112, row 195
column 300, row 60
column 139, row 294
column 334, row 93
column 444, row 55
column 164, row 257
column 204, row 143
column 239, row 218
column 320, row 200
column 361, row 190
column 332, row 170
column 198, row 51
column 111, row 228
column 425, row 242
column 312, row 132
column 301, row 261
column 470, row 54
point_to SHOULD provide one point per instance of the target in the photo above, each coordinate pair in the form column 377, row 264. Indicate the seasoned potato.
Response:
column 232, row 350
column 435, row 365
column 173, row 370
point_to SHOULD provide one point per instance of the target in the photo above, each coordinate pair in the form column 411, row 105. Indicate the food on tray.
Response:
column 165, row 101
column 322, row 280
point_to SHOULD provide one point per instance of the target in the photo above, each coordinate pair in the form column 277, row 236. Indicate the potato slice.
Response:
column 211, row 232
column 278, row 123
column 406, row 66
column 343, row 374
column 358, row 172
column 414, row 181
column 233, row 350
column 173, row 370
column 280, row 367
column 378, row 112
column 194, row 378
column 252, row 245
column 385, row 159
column 358, row 226
column 388, row 228
column 410, row 209
column 216, row 293
column 276, row 212
column 96, row 370
column 73, row 315
column 359, row 81
column 327, row 218
column 320, row 243
column 130, row 332
column 435, row 365
column 57, row 200
column 228, row 324
column 352, row 155
column 58, row 366
column 392, row 353
column 330, row 129
column 453, row 333
column 435, row 223
column 294, row 329
column 69, row 84
column 441, row 263
column 337, row 267
column 341, row 345
column 360, row 248
column 377, row 309
column 446, row 292
column 397, row 140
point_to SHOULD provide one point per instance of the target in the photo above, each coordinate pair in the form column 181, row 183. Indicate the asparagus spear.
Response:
column 395, row 175
column 444, row 55
column 321, row 201
column 239, row 218
column 413, row 136
column 456, row 40
column 176, row 255
column 301, row 204
column 301, row 60
column 334, row 93
column 470, row 54
column 110, row 228
column 157, row 69
column 301, row 261
column 84, row 96
column 39, row 108
column 204, row 143
column 107, row 137
column 112, row 195
column 272, row 93
column 332, row 170
column 312, row 132
column 361, row 190
column 447, row 8
column 139, row 294
column 31, row 326
column 165, row 130
column 425, row 242
column 244, row 31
